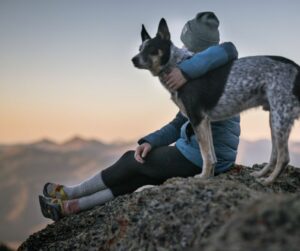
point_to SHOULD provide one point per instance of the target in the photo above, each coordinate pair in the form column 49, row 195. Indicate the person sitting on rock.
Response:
column 155, row 160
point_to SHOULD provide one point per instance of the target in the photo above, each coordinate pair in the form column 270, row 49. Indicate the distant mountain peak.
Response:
column 44, row 142
column 75, row 140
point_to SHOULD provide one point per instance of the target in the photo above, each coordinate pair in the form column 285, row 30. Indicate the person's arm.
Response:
column 207, row 60
column 200, row 64
column 167, row 135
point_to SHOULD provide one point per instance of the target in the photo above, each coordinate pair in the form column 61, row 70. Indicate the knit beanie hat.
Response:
column 201, row 32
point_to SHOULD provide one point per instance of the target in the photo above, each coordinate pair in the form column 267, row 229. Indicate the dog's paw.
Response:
column 257, row 174
column 201, row 176
column 265, row 181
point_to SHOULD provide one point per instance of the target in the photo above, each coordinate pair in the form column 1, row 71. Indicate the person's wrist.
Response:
column 148, row 144
column 186, row 77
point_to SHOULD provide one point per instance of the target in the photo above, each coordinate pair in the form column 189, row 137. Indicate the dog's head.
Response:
column 154, row 53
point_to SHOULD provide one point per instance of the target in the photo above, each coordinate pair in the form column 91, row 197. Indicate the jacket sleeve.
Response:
column 208, row 59
column 167, row 135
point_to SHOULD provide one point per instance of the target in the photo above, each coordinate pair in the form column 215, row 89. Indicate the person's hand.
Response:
column 174, row 80
column 142, row 151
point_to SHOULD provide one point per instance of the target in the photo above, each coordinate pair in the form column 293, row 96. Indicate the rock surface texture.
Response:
column 230, row 212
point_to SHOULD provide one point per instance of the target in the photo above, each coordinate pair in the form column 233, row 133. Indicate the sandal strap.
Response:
column 58, row 202
column 60, row 189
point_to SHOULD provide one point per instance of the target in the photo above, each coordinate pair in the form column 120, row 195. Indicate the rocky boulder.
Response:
column 228, row 212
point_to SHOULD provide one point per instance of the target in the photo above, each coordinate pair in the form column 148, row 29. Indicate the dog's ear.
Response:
column 144, row 34
column 163, row 30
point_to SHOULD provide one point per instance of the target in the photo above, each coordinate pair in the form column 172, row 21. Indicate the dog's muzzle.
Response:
column 136, row 62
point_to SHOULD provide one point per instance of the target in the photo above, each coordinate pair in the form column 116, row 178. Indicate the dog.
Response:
column 272, row 82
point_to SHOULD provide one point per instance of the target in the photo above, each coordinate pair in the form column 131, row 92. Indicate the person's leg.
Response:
column 167, row 162
column 87, row 202
column 58, row 208
column 122, row 170
column 161, row 163
column 135, row 183
column 126, row 175
column 100, row 197
column 89, row 186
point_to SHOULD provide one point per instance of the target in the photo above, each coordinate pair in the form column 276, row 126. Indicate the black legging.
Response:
column 162, row 163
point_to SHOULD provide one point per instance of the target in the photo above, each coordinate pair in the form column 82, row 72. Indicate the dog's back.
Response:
column 257, row 81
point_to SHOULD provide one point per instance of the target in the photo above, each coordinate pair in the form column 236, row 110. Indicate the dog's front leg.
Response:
column 204, row 137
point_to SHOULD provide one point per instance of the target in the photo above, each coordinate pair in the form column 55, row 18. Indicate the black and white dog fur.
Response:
column 269, row 81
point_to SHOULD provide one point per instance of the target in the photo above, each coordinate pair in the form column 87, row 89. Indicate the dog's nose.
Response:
column 135, row 61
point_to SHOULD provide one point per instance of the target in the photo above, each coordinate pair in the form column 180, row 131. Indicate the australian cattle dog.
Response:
column 272, row 82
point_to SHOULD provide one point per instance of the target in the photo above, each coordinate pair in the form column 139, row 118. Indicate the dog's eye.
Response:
column 153, row 51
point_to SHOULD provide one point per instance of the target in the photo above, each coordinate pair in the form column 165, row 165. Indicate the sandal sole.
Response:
column 49, row 211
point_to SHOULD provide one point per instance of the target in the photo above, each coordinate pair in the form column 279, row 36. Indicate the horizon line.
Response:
column 114, row 141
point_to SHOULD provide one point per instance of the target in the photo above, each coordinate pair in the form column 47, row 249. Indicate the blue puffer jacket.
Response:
column 225, row 133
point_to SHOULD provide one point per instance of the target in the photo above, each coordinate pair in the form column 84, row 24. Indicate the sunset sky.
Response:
column 65, row 66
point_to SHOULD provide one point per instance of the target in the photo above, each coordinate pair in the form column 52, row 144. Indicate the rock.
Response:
column 3, row 247
column 269, row 224
column 186, row 214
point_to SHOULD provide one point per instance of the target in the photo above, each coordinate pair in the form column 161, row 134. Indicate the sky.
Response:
column 65, row 65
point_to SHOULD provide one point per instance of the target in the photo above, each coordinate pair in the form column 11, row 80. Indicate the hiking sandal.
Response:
column 58, row 192
column 51, row 208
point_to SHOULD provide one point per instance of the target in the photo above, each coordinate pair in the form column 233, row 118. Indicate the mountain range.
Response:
column 25, row 168
column 252, row 152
